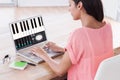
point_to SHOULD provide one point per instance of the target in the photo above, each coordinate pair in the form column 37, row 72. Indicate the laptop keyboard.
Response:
column 32, row 57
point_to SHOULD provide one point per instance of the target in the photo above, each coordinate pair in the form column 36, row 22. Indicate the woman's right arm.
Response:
column 59, row 68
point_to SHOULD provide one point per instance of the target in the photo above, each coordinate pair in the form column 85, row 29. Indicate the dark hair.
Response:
column 93, row 8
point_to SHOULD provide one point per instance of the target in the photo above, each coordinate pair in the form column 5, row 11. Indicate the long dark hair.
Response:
column 93, row 8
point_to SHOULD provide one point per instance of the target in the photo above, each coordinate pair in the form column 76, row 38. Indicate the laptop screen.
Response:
column 27, row 32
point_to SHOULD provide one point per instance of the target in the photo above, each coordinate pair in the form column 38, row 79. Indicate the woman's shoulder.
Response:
column 78, row 31
column 104, row 26
column 107, row 22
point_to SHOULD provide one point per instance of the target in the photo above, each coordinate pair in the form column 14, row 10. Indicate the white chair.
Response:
column 109, row 69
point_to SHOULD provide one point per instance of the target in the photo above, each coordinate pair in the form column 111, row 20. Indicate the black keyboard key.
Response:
column 21, row 26
column 39, row 21
column 16, row 28
column 27, row 25
column 24, row 26
column 35, row 22
column 42, row 21
column 32, row 23
column 13, row 28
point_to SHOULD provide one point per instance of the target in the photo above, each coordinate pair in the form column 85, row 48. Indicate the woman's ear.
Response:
column 80, row 5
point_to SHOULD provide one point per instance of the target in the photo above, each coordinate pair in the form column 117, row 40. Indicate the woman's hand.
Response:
column 54, row 47
column 39, row 52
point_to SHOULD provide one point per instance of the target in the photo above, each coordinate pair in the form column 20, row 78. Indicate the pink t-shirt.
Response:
column 87, row 47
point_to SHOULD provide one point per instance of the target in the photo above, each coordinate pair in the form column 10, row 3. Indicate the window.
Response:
column 7, row 2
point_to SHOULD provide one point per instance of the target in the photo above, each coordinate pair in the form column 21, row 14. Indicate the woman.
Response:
column 87, row 46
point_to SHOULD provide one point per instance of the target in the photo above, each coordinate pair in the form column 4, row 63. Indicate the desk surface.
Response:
column 39, row 72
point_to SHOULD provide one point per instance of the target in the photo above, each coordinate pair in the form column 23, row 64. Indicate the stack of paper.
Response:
column 18, row 65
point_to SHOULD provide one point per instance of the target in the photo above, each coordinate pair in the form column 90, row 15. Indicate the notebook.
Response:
column 29, row 33
column 18, row 65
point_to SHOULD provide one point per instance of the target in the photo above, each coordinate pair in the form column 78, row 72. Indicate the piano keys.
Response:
column 28, row 32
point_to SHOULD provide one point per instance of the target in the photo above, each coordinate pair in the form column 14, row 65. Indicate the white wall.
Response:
column 110, row 8
column 42, row 3
column 5, row 19
column 118, row 11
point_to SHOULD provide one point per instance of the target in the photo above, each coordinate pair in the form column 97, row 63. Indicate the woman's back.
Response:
column 87, row 48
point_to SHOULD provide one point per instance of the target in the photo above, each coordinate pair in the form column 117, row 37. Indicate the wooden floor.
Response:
column 58, row 23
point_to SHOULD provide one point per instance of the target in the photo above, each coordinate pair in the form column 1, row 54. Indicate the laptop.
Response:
column 28, row 33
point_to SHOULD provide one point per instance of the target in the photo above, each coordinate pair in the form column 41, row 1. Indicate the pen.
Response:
column 29, row 63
